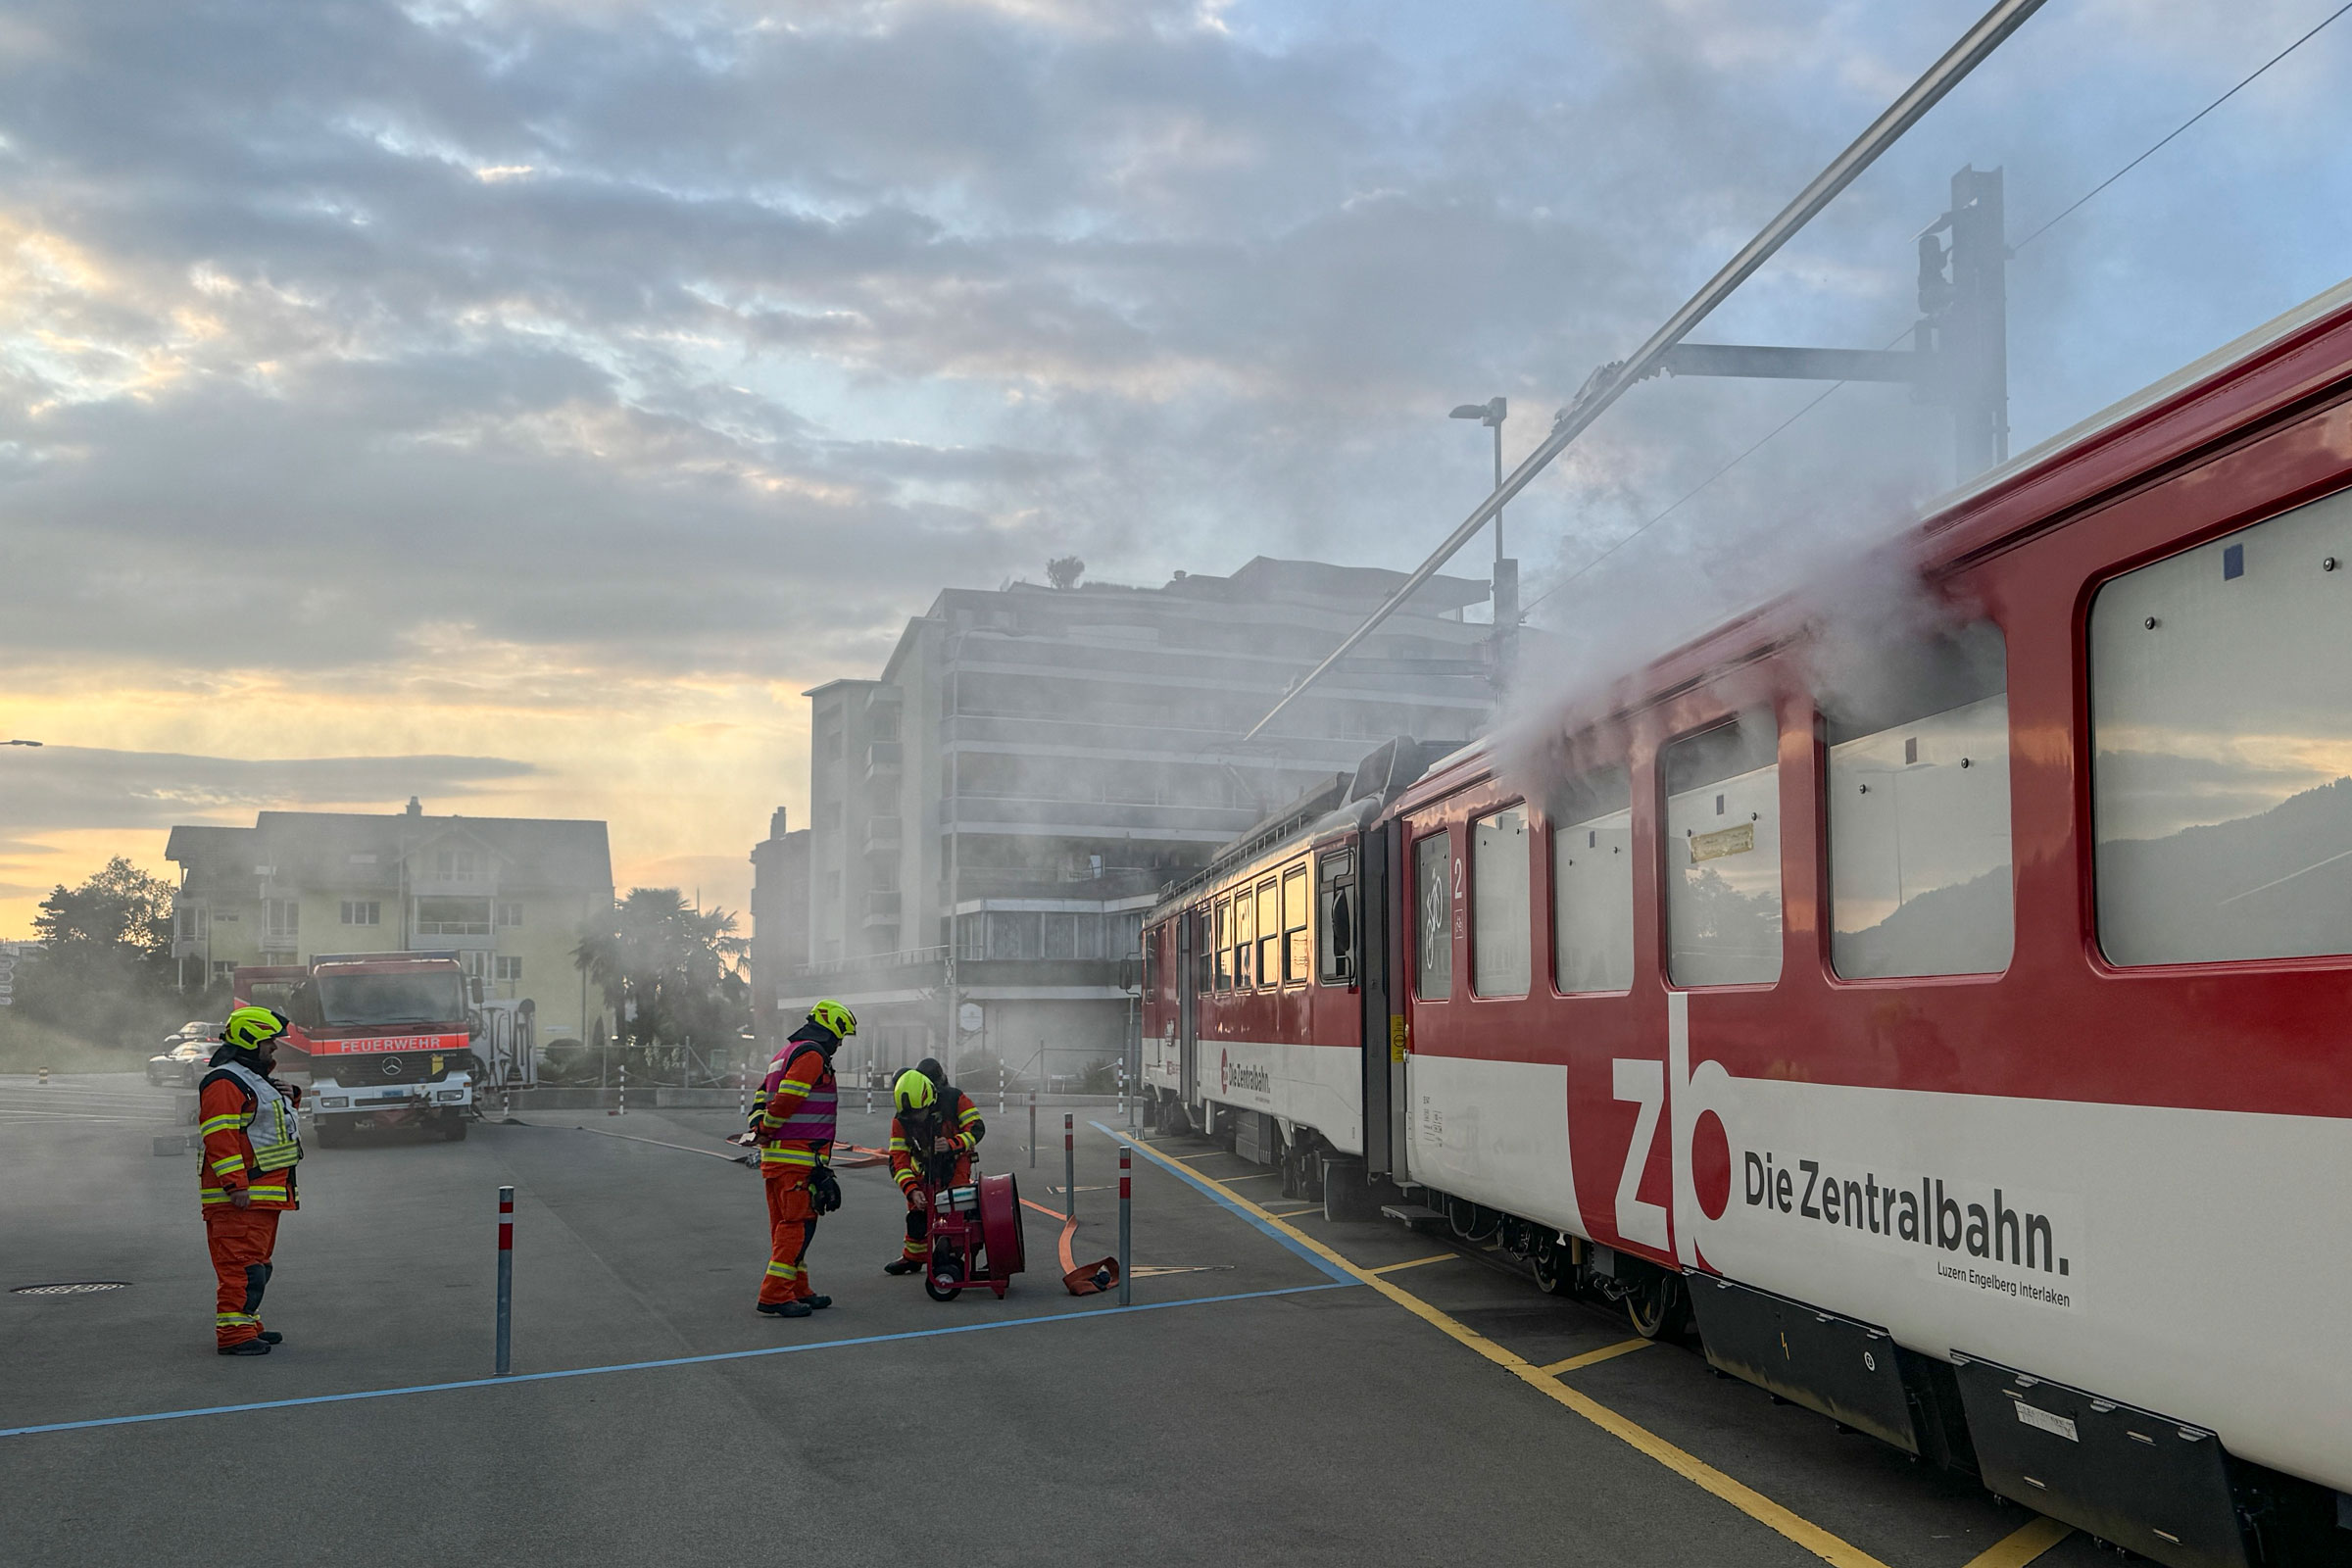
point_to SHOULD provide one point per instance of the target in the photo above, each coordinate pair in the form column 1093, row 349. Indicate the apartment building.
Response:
column 990, row 815
column 510, row 896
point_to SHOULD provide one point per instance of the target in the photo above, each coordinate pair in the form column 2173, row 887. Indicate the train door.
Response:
column 1383, row 1023
column 1188, row 1006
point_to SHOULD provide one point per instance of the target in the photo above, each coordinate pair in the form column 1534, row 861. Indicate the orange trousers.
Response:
column 241, row 1240
column 791, row 1222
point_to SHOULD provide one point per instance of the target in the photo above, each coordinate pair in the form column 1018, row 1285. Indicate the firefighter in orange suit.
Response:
column 251, row 1144
column 793, row 1127
column 932, row 1136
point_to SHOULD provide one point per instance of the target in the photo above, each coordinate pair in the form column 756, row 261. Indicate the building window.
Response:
column 510, row 916
column 1336, row 872
column 1723, row 854
column 282, row 919
column 224, row 971
column 510, row 971
column 476, row 962
column 453, row 917
column 1919, row 812
column 189, row 921
column 1593, row 883
column 457, row 866
column 1269, row 932
column 2222, row 747
column 363, row 911
column 1432, row 909
column 1298, row 935
column 1499, row 916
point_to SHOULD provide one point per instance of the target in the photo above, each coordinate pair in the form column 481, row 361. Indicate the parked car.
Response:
column 184, row 1054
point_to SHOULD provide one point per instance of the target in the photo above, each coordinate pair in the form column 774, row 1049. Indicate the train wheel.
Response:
column 1555, row 1275
column 1288, row 1159
column 1657, row 1306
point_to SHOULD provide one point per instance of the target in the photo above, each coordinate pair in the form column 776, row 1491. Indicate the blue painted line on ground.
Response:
column 1289, row 1244
column 649, row 1366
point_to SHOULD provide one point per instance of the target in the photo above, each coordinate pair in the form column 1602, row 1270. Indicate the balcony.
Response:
column 883, row 760
column 881, row 907
column 883, row 835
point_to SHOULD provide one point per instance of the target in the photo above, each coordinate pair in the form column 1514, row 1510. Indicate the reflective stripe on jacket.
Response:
column 908, row 1146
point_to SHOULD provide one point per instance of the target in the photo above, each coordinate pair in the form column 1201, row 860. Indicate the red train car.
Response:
column 1948, row 1000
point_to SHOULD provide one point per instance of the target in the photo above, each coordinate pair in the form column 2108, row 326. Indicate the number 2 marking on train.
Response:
column 1644, row 1082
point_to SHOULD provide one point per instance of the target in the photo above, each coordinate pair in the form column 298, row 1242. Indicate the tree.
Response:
column 104, row 968
column 682, row 967
column 121, row 909
column 1064, row 572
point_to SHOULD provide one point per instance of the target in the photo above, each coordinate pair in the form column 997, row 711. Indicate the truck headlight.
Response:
column 333, row 1102
column 450, row 1094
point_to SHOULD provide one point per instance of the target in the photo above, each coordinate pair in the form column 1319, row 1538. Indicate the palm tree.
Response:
column 682, row 967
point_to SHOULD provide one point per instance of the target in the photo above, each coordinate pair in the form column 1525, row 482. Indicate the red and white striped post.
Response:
column 506, row 1279
column 1126, row 1224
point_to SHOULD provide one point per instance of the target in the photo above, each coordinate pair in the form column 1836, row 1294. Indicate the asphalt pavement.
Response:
column 1283, row 1389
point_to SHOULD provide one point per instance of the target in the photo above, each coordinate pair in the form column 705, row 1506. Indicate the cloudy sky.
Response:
column 519, row 403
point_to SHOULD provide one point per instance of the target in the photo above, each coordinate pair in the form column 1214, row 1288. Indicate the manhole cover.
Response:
column 76, row 1288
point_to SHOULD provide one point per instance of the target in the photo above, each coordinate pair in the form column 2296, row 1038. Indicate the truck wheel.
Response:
column 453, row 1126
column 330, row 1131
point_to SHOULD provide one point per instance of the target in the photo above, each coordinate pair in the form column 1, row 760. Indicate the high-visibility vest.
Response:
column 814, row 1120
column 273, row 1128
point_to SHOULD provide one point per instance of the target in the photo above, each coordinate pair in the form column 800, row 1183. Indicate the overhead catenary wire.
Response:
column 1610, row 381
column 2063, row 214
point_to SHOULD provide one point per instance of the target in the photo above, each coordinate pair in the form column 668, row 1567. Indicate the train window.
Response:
column 1593, row 883
column 1297, row 941
column 2221, row 716
column 1269, row 932
column 1433, row 906
column 1918, row 810
column 1245, row 940
column 1152, row 941
column 1224, row 944
column 1500, row 915
column 1723, row 854
column 1205, row 960
column 1336, row 961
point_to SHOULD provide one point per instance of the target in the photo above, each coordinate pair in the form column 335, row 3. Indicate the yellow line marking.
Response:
column 1434, row 1257
column 1829, row 1548
column 2028, row 1542
column 1607, row 1352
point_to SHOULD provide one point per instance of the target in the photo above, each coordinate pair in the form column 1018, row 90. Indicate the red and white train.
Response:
column 1952, row 1011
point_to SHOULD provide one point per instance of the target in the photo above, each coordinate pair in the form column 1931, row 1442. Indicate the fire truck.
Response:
column 385, row 1039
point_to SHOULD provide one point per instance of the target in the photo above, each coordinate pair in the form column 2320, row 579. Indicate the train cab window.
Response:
column 1433, row 912
column 1245, row 940
column 1224, row 944
column 1593, row 883
column 1500, row 915
column 1269, row 932
column 1918, row 810
column 2221, row 720
column 1723, row 854
column 1335, row 875
column 1297, row 941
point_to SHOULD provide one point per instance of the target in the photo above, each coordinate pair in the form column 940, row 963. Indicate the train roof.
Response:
column 2274, row 370
column 1343, row 805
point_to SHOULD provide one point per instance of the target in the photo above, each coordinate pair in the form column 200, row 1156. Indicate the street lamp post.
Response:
column 1492, row 414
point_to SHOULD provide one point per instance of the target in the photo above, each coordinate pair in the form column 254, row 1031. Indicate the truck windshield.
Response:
column 436, row 997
